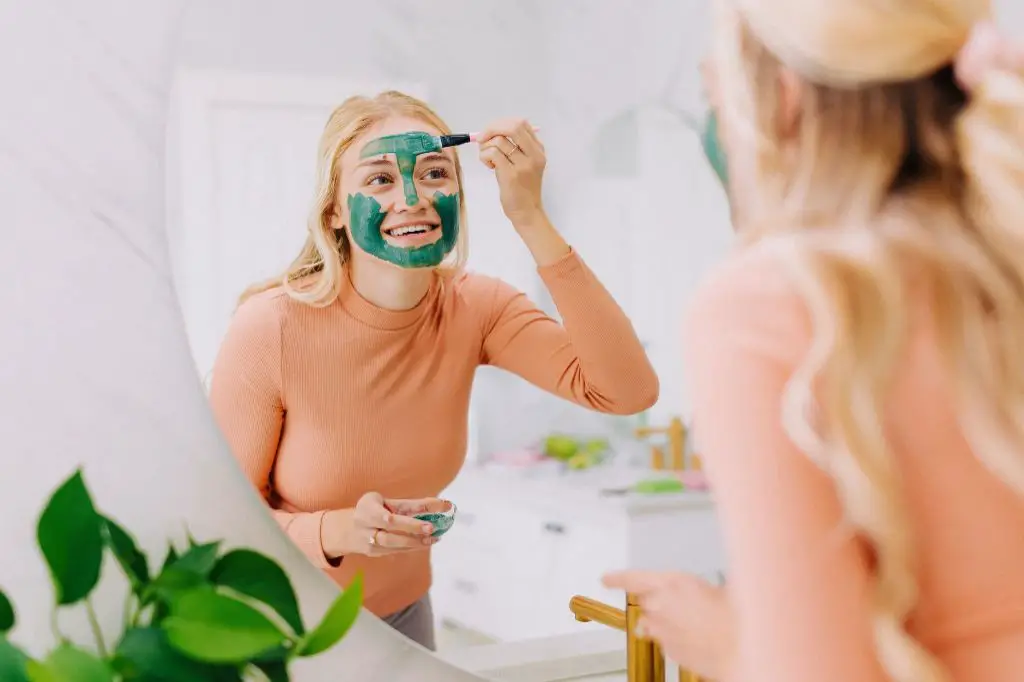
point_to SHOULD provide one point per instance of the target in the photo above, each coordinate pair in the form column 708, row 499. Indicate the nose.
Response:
column 412, row 199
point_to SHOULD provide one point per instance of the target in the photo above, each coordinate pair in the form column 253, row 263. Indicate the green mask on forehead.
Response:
column 366, row 215
column 406, row 147
column 712, row 145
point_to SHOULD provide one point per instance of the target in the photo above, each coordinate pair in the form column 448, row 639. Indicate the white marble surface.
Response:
column 569, row 657
column 582, row 490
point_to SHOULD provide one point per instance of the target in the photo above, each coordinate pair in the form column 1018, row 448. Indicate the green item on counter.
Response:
column 565, row 448
column 561, row 447
column 654, row 486
column 583, row 460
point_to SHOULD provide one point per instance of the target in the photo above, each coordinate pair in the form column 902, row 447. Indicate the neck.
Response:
column 387, row 286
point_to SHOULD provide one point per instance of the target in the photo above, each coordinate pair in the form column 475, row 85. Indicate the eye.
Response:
column 379, row 179
column 438, row 173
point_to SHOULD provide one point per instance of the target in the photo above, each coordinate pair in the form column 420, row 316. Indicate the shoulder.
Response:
column 750, row 301
column 481, row 291
column 260, row 315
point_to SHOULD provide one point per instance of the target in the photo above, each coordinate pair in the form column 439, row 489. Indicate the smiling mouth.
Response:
column 407, row 230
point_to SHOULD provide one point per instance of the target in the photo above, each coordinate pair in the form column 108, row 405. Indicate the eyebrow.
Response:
column 383, row 161
column 434, row 156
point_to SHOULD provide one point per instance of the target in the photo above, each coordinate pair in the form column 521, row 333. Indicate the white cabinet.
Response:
column 521, row 548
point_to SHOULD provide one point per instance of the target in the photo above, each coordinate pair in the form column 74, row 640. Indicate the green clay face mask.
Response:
column 366, row 218
column 406, row 147
column 366, row 215
column 712, row 144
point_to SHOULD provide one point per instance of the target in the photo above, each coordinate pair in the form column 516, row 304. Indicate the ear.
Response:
column 337, row 220
column 791, row 90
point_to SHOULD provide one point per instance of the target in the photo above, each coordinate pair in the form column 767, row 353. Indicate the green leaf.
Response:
column 186, row 572
column 276, row 671
column 149, row 595
column 6, row 614
column 339, row 618
column 215, row 628
column 199, row 559
column 68, row 663
column 145, row 655
column 172, row 556
column 39, row 672
column 133, row 562
column 260, row 577
column 12, row 663
column 70, row 536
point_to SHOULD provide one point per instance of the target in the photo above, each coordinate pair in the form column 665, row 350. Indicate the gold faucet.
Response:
column 644, row 662
column 676, row 434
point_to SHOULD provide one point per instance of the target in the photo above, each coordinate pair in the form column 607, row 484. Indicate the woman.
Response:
column 343, row 386
column 856, row 365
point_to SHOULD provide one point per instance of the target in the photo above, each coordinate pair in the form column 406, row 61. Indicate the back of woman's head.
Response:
column 853, row 138
column 318, row 267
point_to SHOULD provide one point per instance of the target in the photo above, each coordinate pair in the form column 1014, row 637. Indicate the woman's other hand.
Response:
column 378, row 527
column 688, row 616
column 516, row 155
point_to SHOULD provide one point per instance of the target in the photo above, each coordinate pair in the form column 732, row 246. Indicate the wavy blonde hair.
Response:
column 319, row 264
column 883, row 124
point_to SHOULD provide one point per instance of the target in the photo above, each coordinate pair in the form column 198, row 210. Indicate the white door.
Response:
column 241, row 165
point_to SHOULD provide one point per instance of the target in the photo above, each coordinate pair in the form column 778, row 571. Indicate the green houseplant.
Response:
column 205, row 615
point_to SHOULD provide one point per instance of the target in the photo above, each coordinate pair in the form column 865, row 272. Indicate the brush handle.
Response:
column 473, row 137
column 456, row 139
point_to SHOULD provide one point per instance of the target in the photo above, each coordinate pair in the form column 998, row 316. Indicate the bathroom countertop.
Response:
column 582, row 656
column 578, row 489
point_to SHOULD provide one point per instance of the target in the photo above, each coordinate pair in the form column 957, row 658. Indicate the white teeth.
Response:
column 410, row 229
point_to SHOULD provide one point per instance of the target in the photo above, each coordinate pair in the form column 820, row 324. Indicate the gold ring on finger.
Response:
column 515, row 146
column 373, row 538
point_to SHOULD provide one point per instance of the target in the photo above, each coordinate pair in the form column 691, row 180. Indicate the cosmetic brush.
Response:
column 456, row 139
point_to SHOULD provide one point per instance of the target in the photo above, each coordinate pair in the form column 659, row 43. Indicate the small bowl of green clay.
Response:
column 441, row 520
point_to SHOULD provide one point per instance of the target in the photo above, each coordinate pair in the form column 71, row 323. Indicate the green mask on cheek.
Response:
column 712, row 144
column 366, row 218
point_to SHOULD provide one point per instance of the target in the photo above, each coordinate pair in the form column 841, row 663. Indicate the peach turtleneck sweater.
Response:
column 322, row 405
column 799, row 588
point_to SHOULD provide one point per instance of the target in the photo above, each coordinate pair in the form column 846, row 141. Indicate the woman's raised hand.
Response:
column 512, row 149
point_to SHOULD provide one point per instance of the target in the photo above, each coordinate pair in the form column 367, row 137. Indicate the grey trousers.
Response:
column 415, row 622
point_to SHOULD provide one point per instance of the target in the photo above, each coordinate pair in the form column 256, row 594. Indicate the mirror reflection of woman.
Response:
column 343, row 386
column 857, row 365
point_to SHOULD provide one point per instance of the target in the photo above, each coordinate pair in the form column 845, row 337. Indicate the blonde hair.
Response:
column 318, row 269
column 883, row 124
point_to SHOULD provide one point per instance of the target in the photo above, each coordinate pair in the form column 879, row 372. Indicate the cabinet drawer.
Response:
column 480, row 591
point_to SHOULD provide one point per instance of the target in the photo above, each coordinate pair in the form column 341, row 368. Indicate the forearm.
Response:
column 322, row 536
column 544, row 242
column 605, row 353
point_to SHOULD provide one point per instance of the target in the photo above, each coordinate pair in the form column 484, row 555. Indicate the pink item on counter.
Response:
column 524, row 457
column 694, row 480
